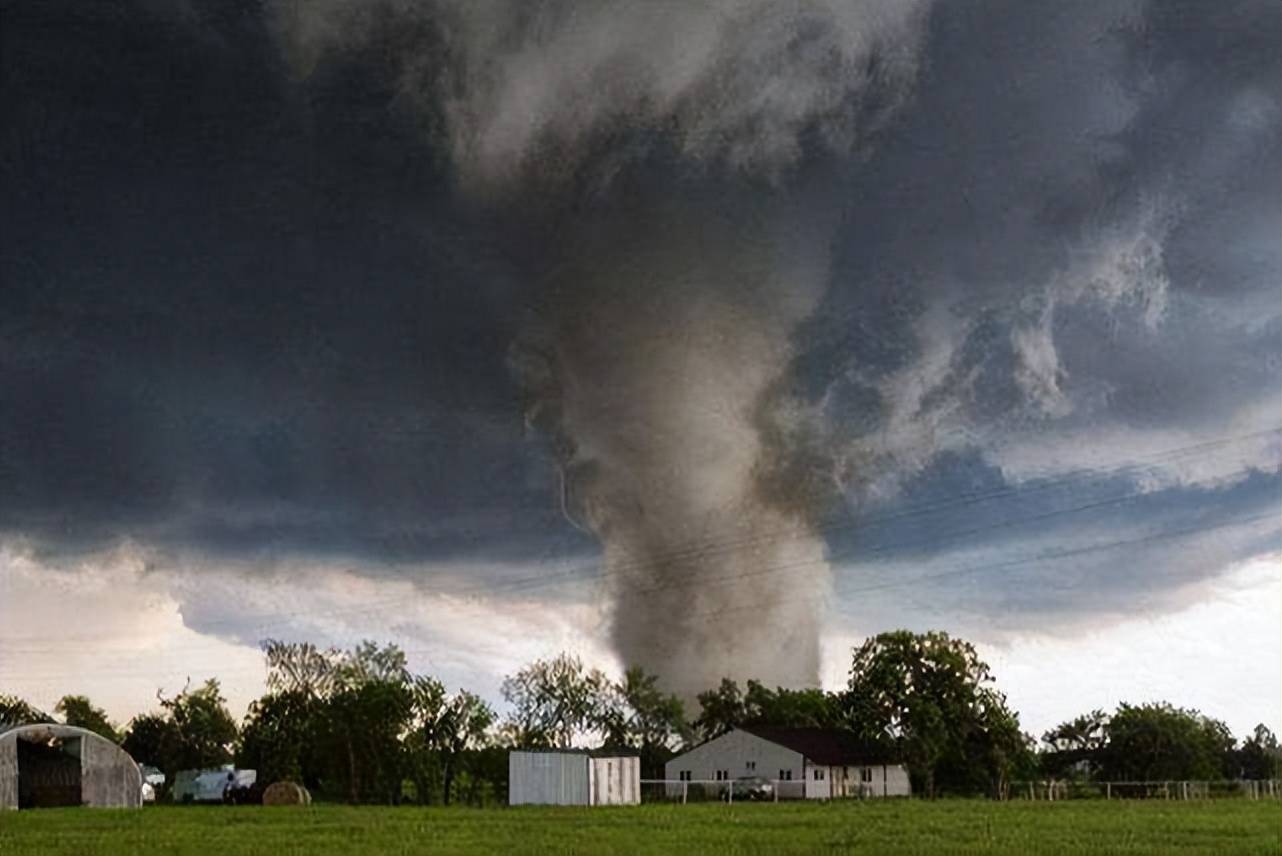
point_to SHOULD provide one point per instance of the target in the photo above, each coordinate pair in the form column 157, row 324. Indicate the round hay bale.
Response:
column 286, row 793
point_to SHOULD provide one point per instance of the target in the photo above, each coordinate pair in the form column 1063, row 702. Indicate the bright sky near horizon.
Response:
column 711, row 337
column 1221, row 654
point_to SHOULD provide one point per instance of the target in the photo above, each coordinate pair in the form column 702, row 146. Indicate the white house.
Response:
column 573, row 777
column 825, row 763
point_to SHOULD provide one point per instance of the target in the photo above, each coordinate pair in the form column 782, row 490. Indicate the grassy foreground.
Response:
column 877, row 829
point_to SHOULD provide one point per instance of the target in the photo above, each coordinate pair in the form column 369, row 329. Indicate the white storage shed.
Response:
column 573, row 777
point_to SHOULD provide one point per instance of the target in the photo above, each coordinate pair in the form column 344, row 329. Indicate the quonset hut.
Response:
column 61, row 765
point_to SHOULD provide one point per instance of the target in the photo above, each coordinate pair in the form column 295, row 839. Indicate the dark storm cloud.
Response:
column 1117, row 163
column 245, row 311
column 1091, row 184
column 241, row 314
column 1051, row 560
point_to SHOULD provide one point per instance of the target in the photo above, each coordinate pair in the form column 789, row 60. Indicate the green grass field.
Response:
column 878, row 829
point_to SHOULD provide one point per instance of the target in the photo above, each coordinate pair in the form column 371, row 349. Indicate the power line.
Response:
column 961, row 500
column 726, row 578
column 1022, row 561
column 1050, row 556
column 616, row 571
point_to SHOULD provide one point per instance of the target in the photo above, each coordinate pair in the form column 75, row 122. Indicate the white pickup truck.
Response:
column 152, row 780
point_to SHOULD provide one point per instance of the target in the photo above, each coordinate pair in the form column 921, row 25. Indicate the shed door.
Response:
column 48, row 774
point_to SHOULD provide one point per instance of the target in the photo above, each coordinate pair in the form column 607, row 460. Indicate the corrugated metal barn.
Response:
column 60, row 765
column 573, row 777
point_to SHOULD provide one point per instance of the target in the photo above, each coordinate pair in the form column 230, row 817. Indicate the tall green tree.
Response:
column 639, row 715
column 16, row 711
column 554, row 702
column 367, row 711
column 151, row 738
column 77, row 710
column 336, row 716
column 1074, row 747
column 445, row 728
column 788, row 708
column 205, row 729
column 1260, row 756
column 933, row 698
column 721, row 710
column 301, row 668
column 280, row 738
column 1160, row 742
column 192, row 730
column 369, row 721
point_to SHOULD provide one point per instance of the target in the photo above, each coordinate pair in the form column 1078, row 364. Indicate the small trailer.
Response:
column 220, row 785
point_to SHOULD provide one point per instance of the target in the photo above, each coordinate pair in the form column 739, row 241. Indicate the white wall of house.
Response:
column 735, row 755
column 880, row 780
column 740, row 753
column 818, row 781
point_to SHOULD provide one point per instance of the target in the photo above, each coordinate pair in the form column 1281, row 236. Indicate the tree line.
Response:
column 359, row 726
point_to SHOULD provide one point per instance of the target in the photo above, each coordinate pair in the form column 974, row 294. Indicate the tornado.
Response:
column 665, row 332
column 669, row 170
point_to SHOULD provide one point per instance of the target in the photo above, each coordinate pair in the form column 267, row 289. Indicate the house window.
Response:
column 865, row 775
column 785, row 775
column 683, row 775
column 819, row 774
column 751, row 765
column 723, row 775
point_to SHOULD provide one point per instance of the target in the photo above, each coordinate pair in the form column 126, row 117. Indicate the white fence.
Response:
column 1269, row 789
column 729, row 791
column 722, row 790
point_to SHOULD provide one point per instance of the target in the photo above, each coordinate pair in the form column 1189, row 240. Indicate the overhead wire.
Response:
column 828, row 557
column 501, row 586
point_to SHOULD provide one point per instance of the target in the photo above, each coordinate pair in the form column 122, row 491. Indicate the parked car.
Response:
column 752, row 788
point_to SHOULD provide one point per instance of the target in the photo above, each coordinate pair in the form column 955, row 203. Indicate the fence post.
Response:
column 1032, row 794
column 685, row 789
column 776, row 791
column 730, row 793
column 1108, row 790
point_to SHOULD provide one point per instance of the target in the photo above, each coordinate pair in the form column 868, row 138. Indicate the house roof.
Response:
column 602, row 752
column 830, row 746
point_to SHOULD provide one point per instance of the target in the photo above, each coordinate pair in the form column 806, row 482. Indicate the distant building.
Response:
column 824, row 763
column 61, row 765
column 573, row 777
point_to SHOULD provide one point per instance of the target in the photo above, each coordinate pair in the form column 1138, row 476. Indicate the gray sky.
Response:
column 989, row 291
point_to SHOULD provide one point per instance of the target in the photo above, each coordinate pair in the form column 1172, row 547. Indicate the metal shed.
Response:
column 61, row 765
column 573, row 777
